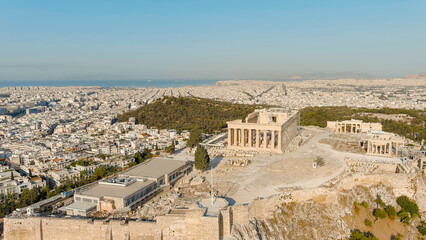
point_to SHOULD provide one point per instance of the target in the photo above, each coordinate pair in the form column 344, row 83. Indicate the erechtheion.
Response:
column 383, row 143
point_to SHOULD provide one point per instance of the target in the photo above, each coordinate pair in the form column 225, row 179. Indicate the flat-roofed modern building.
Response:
column 129, row 189
column 162, row 170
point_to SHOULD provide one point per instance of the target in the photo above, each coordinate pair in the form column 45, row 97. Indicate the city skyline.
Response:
column 220, row 40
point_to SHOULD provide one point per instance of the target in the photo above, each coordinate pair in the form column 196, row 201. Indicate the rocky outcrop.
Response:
column 313, row 213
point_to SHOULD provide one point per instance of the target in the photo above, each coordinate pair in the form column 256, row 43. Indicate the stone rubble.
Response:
column 238, row 162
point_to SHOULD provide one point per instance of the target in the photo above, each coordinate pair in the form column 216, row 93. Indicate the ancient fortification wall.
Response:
column 53, row 228
column 192, row 224
column 189, row 225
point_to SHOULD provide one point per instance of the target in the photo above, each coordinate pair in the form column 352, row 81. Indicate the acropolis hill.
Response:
column 281, row 169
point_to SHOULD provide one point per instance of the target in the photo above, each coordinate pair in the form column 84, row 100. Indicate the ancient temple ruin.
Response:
column 383, row 143
column 266, row 130
column 353, row 126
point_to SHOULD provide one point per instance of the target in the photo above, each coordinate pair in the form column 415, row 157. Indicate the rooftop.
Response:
column 85, row 206
column 9, row 173
column 104, row 190
column 155, row 168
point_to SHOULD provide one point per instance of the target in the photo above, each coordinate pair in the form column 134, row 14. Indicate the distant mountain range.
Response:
column 343, row 75
column 416, row 76
column 338, row 75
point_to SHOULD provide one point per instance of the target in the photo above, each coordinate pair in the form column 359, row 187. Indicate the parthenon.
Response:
column 266, row 130
column 353, row 126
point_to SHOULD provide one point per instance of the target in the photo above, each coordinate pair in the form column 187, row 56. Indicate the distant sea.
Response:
column 114, row 83
column 108, row 83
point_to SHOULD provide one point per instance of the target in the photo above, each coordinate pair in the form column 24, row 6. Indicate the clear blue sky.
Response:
column 92, row 39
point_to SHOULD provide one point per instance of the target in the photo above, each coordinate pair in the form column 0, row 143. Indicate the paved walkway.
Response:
column 269, row 172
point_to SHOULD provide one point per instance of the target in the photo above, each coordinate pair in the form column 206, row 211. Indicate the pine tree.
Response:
column 202, row 159
column 43, row 192
column 171, row 149
column 138, row 157
column 34, row 195
column 195, row 137
column 11, row 176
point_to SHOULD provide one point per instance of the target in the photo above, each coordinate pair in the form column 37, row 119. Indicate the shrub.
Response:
column 355, row 206
column 368, row 223
column 409, row 206
column 379, row 213
column 379, row 201
column 397, row 237
column 358, row 235
column 390, row 210
column 319, row 161
column 403, row 216
column 422, row 230
column 364, row 204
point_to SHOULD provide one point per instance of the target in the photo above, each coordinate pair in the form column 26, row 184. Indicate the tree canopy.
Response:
column 195, row 137
column 415, row 130
column 358, row 235
column 407, row 205
column 186, row 113
column 140, row 157
column 379, row 213
column 201, row 158
column 171, row 149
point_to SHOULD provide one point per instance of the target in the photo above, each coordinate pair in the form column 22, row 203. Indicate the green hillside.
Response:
column 415, row 130
column 186, row 113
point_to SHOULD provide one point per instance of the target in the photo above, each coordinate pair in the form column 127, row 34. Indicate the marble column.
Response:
column 265, row 139
column 280, row 139
column 397, row 149
column 257, row 138
column 241, row 137
column 237, row 139
column 246, row 137
column 250, row 140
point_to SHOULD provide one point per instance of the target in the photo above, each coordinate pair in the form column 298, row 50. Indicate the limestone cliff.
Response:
column 320, row 213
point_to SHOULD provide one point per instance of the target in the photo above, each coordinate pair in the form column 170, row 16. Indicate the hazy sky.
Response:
column 93, row 39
